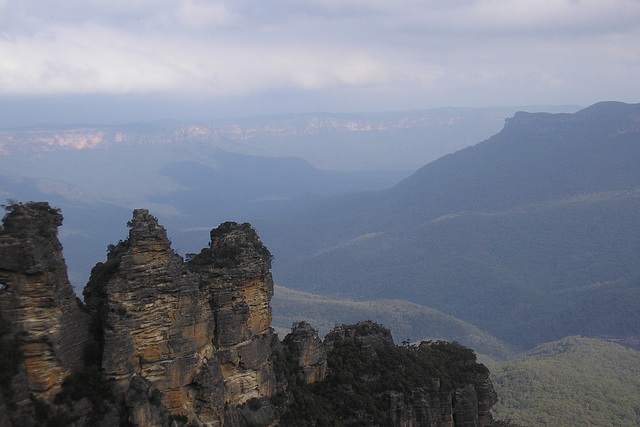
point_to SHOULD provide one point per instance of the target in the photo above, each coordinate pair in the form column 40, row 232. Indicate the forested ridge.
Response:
column 531, row 235
column 574, row 381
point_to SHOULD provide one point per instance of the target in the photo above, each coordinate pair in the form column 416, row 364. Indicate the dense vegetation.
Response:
column 575, row 381
column 506, row 272
column 359, row 383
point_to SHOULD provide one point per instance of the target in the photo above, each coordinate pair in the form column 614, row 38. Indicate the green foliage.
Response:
column 225, row 256
column 226, row 253
column 513, row 273
column 575, row 381
column 36, row 207
column 358, row 386
column 87, row 383
column 103, row 271
column 509, row 235
column 48, row 218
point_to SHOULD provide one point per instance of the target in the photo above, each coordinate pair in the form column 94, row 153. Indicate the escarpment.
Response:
column 159, row 341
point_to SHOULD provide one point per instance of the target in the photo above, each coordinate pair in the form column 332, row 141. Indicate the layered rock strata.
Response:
column 48, row 327
column 308, row 351
column 198, row 332
column 238, row 284
column 163, row 342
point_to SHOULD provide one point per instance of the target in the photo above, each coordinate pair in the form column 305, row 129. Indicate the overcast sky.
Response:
column 114, row 61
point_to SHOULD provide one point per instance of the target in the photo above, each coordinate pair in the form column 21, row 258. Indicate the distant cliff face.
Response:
column 79, row 138
column 165, row 342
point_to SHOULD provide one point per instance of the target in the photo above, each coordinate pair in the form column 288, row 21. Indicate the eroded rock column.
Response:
column 39, row 304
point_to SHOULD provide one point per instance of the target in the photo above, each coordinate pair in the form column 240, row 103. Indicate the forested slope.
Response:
column 510, row 234
column 572, row 382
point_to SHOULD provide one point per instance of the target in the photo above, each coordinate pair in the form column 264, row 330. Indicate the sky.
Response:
column 115, row 61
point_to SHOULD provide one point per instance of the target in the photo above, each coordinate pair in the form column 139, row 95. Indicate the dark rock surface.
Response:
column 371, row 381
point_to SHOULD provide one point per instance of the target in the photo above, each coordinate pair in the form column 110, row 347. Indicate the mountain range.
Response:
column 196, row 175
column 531, row 235
column 527, row 237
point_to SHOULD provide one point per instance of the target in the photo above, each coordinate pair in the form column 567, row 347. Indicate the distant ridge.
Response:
column 406, row 320
column 398, row 140
column 511, row 249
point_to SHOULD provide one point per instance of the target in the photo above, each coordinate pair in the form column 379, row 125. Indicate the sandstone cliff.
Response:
column 45, row 321
column 166, row 342
column 308, row 351
column 197, row 332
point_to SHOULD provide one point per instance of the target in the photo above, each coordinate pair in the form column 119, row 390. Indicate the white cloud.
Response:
column 556, row 16
column 424, row 48
column 200, row 14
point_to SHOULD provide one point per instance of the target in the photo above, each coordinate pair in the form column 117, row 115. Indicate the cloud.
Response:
column 569, row 17
column 199, row 14
column 422, row 49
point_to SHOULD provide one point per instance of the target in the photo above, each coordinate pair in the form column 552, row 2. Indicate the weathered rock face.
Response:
column 156, row 323
column 487, row 397
column 163, row 342
column 37, row 300
column 235, row 271
column 307, row 349
column 198, row 332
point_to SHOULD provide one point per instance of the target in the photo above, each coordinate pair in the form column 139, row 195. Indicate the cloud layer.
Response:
column 360, row 52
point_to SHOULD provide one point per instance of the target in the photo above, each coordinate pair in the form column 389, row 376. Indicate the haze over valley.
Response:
column 195, row 176
column 524, row 238
column 457, row 171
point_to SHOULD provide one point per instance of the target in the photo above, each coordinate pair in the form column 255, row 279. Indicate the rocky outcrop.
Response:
column 371, row 381
column 197, row 332
column 164, row 342
column 156, row 323
column 234, row 271
column 48, row 326
column 369, row 336
column 486, row 396
column 308, row 351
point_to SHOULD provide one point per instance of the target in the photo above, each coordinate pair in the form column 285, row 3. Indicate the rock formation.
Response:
column 371, row 381
column 45, row 321
column 197, row 332
column 308, row 351
column 165, row 342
